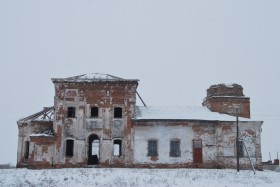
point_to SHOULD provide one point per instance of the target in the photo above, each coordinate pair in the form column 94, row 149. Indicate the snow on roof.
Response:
column 99, row 76
column 92, row 77
column 229, row 85
column 46, row 133
column 182, row 113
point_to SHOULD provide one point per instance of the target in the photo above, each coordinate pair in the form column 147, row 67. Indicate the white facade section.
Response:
column 163, row 134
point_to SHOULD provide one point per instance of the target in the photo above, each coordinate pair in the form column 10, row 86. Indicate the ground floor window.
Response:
column 152, row 148
column 175, row 148
column 69, row 148
column 240, row 149
column 117, row 147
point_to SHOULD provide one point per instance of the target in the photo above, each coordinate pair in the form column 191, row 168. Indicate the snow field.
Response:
column 105, row 177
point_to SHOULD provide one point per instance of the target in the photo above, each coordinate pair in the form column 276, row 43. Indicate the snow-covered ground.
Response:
column 137, row 177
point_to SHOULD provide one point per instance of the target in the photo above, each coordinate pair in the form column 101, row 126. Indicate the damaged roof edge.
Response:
column 58, row 80
column 43, row 115
column 93, row 77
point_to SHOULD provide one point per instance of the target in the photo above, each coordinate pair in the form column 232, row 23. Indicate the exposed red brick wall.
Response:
column 224, row 99
column 58, row 137
column 43, row 140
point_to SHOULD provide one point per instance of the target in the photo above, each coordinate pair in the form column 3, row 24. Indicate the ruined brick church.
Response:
column 95, row 122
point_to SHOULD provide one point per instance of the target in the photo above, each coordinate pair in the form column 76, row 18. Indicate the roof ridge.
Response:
column 91, row 77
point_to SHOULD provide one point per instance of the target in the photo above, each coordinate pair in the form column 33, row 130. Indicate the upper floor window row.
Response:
column 117, row 112
column 71, row 112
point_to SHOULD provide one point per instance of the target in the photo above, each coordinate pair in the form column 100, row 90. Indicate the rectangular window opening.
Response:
column 117, row 147
column 26, row 151
column 94, row 112
column 69, row 148
column 240, row 149
column 71, row 112
column 117, row 112
column 175, row 148
column 152, row 148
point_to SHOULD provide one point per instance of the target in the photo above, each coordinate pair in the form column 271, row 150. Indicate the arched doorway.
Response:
column 93, row 150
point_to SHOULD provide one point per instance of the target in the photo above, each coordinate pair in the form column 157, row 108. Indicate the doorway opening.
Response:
column 93, row 150
column 197, row 151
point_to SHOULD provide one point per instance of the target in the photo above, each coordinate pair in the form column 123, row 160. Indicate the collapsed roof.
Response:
column 44, row 115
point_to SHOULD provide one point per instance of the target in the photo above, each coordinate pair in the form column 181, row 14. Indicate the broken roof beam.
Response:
column 38, row 114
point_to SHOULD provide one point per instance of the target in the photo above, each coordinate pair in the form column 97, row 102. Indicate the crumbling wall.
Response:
column 205, row 131
column 26, row 130
column 229, row 105
column 41, row 151
column 23, row 135
column 225, row 90
column 249, row 133
column 227, row 99
column 218, row 143
column 106, row 96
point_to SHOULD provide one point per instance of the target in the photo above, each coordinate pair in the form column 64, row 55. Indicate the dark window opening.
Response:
column 69, row 148
column 94, row 112
column 71, row 112
column 175, row 148
column 152, row 148
column 117, row 147
column 26, row 151
column 240, row 149
column 118, row 112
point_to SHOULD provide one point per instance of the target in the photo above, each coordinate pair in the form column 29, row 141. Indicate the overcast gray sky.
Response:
column 177, row 48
